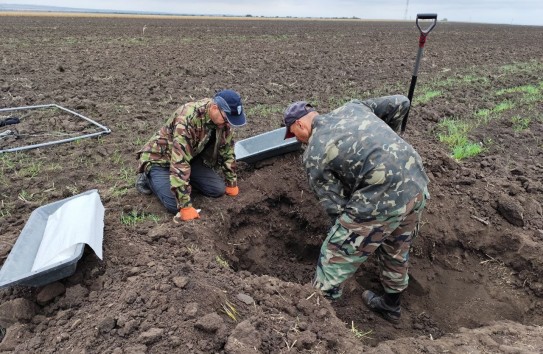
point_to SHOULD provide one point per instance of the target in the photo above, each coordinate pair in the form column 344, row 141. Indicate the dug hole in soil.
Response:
column 238, row 279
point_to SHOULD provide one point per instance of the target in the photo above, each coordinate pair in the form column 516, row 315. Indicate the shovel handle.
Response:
column 422, row 41
column 427, row 17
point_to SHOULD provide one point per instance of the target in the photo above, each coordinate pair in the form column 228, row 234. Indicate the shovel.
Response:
column 422, row 40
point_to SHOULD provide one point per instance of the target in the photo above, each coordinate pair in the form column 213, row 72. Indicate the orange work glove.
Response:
column 232, row 191
column 186, row 214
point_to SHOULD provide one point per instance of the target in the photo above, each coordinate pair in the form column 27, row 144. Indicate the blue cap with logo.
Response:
column 229, row 102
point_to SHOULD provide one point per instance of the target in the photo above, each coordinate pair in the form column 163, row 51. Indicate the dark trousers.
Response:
column 203, row 178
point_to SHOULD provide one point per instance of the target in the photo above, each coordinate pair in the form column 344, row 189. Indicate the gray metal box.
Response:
column 266, row 145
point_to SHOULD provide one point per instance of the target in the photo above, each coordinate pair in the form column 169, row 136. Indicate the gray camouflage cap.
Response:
column 294, row 112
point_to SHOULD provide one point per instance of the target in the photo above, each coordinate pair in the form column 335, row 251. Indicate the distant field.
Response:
column 195, row 17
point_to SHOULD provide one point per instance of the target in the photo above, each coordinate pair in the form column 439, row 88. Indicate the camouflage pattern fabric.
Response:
column 187, row 133
column 349, row 244
column 391, row 109
column 358, row 165
column 365, row 175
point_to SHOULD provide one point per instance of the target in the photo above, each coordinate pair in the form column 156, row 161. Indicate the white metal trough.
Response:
column 266, row 145
column 53, row 240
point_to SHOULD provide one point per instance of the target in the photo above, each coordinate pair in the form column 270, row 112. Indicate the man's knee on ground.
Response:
column 214, row 191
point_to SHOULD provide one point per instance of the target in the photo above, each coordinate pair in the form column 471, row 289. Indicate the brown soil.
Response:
column 161, row 287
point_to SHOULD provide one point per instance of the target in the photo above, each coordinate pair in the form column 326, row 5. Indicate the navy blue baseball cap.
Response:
column 294, row 112
column 230, row 103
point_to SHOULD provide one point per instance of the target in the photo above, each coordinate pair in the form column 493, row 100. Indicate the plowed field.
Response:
column 238, row 279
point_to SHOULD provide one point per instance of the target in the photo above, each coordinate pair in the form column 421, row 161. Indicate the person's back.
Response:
column 373, row 186
column 377, row 168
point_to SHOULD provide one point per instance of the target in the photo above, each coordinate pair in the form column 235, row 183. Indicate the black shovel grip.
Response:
column 427, row 17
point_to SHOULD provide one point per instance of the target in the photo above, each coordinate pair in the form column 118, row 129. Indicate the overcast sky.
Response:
column 523, row 12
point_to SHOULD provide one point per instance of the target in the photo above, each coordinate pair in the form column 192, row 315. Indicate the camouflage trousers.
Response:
column 348, row 245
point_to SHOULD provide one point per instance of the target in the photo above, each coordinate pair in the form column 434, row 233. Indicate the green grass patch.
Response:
column 31, row 170
column 132, row 218
column 503, row 106
column 7, row 161
column 467, row 150
column 520, row 123
column 453, row 82
column 119, row 191
column 528, row 89
column 483, row 114
column 454, row 134
column 525, row 67
column 427, row 96
column 264, row 110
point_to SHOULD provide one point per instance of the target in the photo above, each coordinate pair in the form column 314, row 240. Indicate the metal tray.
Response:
column 17, row 269
column 266, row 145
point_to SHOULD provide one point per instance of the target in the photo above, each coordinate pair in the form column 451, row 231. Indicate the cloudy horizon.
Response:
column 521, row 12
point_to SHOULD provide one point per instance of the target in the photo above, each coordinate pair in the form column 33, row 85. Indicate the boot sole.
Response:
column 367, row 297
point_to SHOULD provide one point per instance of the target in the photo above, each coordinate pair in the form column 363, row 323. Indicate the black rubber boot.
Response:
column 142, row 185
column 390, row 311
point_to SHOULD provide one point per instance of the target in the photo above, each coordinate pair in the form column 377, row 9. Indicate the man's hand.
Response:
column 186, row 214
column 232, row 191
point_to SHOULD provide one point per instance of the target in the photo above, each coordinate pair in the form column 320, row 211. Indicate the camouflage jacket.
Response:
column 186, row 134
column 358, row 165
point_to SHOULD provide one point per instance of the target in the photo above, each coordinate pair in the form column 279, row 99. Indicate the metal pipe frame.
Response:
column 105, row 130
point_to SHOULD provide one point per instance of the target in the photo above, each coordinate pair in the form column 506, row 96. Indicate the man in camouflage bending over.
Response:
column 373, row 186
column 196, row 138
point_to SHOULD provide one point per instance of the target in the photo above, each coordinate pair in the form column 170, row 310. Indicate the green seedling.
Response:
column 193, row 249
column 222, row 262
column 230, row 310
column 139, row 141
column 5, row 209
column 127, row 175
column 7, row 161
column 134, row 217
column 520, row 123
column 483, row 115
column 119, row 191
column 73, row 189
column 25, row 196
column 117, row 158
column 359, row 334
column 31, row 171
column 153, row 217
